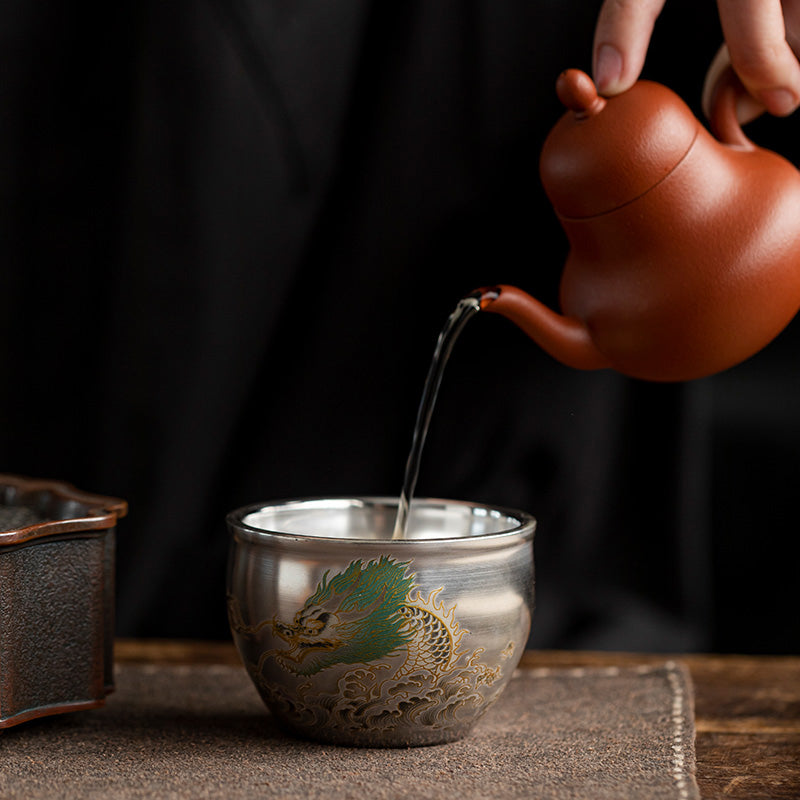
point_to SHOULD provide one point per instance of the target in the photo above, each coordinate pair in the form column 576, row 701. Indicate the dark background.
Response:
column 231, row 231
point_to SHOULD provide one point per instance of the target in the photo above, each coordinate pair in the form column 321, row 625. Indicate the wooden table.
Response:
column 747, row 709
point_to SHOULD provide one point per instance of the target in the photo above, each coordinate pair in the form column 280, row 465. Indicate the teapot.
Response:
column 684, row 254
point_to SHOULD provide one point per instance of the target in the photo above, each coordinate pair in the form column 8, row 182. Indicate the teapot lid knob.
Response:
column 576, row 90
column 605, row 152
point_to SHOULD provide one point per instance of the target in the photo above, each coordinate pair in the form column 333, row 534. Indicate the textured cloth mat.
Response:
column 202, row 731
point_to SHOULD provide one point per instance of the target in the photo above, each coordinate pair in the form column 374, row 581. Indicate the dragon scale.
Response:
column 430, row 643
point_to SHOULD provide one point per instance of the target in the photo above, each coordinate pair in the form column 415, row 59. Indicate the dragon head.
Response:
column 355, row 617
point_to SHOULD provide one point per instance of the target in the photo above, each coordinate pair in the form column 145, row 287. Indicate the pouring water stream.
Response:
column 466, row 308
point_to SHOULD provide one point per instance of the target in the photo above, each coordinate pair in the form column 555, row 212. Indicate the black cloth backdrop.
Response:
column 231, row 232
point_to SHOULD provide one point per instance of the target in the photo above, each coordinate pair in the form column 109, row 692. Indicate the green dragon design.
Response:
column 365, row 614
column 404, row 669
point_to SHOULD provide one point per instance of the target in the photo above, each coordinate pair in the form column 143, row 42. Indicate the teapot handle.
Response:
column 724, row 122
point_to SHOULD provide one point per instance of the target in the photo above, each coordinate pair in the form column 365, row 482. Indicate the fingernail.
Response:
column 780, row 102
column 607, row 68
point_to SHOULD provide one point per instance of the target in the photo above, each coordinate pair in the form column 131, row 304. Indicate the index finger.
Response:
column 621, row 38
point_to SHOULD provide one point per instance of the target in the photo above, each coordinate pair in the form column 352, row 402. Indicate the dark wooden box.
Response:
column 57, row 563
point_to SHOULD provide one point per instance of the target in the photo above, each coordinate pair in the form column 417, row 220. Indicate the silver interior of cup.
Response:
column 373, row 519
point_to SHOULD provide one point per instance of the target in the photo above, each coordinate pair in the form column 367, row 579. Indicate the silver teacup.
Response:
column 354, row 638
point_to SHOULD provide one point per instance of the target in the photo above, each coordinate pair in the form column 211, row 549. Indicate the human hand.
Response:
column 762, row 44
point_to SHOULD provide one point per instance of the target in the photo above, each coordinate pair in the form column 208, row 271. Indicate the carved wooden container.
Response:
column 57, row 556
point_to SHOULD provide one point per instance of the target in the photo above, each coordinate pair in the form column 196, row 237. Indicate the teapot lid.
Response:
column 604, row 153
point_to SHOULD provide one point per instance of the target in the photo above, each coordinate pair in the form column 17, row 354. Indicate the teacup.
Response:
column 354, row 638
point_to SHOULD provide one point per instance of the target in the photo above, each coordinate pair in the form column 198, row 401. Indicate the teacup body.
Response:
column 354, row 638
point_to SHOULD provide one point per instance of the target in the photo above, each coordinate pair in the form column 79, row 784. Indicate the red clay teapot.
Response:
column 684, row 249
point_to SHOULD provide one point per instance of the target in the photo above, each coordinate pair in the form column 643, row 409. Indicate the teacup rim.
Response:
column 525, row 528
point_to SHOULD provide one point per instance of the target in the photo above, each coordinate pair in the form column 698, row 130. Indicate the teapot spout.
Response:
column 567, row 339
